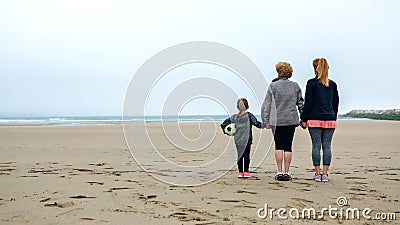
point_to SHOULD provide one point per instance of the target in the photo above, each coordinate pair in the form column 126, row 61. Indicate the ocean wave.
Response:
column 82, row 120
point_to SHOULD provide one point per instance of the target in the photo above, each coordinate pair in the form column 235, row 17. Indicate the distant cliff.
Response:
column 389, row 114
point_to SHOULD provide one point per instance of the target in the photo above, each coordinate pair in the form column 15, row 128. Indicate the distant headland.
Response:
column 388, row 114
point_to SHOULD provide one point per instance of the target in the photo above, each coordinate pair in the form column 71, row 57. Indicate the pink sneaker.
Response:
column 246, row 174
column 240, row 175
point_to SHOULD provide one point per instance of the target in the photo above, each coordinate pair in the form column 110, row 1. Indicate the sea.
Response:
column 88, row 120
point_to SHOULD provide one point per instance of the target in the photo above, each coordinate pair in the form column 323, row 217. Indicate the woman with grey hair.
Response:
column 279, row 113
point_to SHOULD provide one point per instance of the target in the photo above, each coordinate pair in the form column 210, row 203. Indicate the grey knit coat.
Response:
column 280, row 103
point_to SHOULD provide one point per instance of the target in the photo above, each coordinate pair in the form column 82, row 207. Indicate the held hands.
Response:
column 268, row 126
column 303, row 125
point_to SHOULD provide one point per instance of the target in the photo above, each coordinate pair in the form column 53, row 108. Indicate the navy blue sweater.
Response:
column 321, row 103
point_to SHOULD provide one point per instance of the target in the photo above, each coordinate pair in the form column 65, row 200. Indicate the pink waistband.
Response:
column 321, row 123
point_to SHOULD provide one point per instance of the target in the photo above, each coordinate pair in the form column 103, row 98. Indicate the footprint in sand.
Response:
column 246, row 192
column 357, row 193
column 354, row 178
column 132, row 181
column 117, row 188
column 389, row 174
column 180, row 215
column 82, row 196
column 44, row 200
column 393, row 179
column 86, row 218
column 144, row 197
column 356, row 182
column 304, row 189
column 339, row 172
column 229, row 200
column 95, row 182
column 44, row 171
column 193, row 215
column 59, row 205
column 6, row 171
column 151, row 196
column 83, row 170
column 97, row 164
column 244, row 206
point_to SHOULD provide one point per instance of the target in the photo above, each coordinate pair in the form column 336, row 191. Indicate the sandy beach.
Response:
column 86, row 175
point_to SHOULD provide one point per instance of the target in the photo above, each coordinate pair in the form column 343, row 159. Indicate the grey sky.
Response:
column 77, row 57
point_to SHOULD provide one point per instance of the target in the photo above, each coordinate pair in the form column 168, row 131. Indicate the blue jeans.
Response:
column 321, row 136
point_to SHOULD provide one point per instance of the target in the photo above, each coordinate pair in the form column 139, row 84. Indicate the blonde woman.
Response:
column 279, row 113
column 319, row 115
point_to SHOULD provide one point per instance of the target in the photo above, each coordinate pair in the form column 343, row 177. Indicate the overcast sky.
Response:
column 78, row 57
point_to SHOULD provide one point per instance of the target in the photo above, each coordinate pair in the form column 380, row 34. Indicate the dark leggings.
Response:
column 243, row 155
column 283, row 136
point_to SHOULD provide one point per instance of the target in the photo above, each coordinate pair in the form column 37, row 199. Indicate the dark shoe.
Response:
column 287, row 177
column 279, row 176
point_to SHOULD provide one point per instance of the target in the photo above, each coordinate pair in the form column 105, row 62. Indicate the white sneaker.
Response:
column 317, row 177
column 324, row 178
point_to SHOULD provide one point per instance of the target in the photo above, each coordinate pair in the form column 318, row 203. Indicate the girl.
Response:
column 243, row 137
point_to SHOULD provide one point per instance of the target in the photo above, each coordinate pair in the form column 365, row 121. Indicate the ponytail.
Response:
column 322, row 72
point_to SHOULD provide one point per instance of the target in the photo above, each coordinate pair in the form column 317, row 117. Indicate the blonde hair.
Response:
column 242, row 104
column 284, row 69
column 322, row 72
